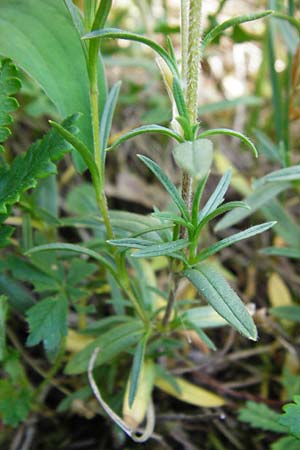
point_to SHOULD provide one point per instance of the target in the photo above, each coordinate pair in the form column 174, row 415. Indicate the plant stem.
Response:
column 191, row 56
column 191, row 15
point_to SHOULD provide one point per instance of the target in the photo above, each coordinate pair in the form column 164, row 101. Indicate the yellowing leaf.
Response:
column 278, row 293
column 134, row 415
column 76, row 342
column 190, row 393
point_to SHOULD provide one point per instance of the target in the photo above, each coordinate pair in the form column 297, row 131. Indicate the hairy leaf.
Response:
column 217, row 197
column 217, row 292
column 166, row 248
column 195, row 157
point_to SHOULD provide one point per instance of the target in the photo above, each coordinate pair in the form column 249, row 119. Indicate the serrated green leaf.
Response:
column 217, row 197
column 37, row 48
column 217, row 292
column 3, row 317
column 15, row 403
column 194, row 157
column 138, row 361
column 145, row 129
column 5, row 233
column 48, row 322
column 37, row 162
column 112, row 343
column 79, row 270
column 291, row 417
column 259, row 415
column 167, row 184
column 163, row 249
column 9, row 85
column 286, row 443
column 252, row 231
column 256, row 200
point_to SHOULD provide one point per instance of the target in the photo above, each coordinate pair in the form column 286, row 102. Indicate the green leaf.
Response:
column 217, row 292
column 281, row 251
column 220, row 210
column 138, row 361
column 37, row 162
column 291, row 417
column 5, row 233
column 180, row 102
column 48, row 322
column 167, row 184
column 9, row 85
column 164, row 249
column 115, row 341
column 255, row 201
column 225, row 105
column 15, row 403
column 51, row 55
column 106, row 119
column 145, row 129
column 191, row 325
column 19, row 298
column 290, row 312
column 228, row 132
column 115, row 33
column 217, row 197
column 72, row 248
column 266, row 146
column 252, row 231
column 216, row 31
column 197, row 199
column 259, row 415
column 194, row 157
column 130, row 243
column 3, row 317
column 288, row 174
column 204, row 317
column 286, row 442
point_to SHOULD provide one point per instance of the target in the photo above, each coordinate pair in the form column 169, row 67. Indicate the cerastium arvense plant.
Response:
column 147, row 321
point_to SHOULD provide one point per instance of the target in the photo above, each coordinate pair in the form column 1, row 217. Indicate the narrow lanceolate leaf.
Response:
column 138, row 361
column 130, row 242
column 72, row 248
column 217, row 292
column 228, row 132
column 288, row 174
column 260, row 197
column 167, row 184
column 9, row 85
column 216, row 31
column 48, row 322
column 197, row 199
column 195, row 157
column 145, row 129
column 166, row 248
column 113, row 342
column 252, row 231
column 107, row 117
column 3, row 316
column 115, row 33
column 37, row 162
column 282, row 251
column 217, row 196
